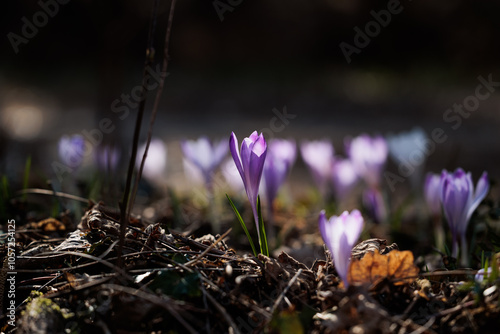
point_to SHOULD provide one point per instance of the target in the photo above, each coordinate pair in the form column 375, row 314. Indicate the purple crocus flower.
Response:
column 459, row 201
column 205, row 155
column 72, row 150
column 374, row 202
column 368, row 156
column 340, row 234
column 318, row 156
column 432, row 193
column 250, row 163
column 480, row 275
column 107, row 158
column 344, row 178
column 281, row 155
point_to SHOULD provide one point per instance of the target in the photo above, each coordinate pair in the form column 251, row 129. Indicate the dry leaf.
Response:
column 396, row 265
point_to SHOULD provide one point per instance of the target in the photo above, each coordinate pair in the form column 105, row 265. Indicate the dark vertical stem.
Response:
column 124, row 207
column 163, row 75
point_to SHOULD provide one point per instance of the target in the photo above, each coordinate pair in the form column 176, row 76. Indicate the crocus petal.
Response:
column 482, row 188
column 344, row 178
column 71, row 150
column 205, row 156
column 233, row 147
column 340, row 234
column 368, row 156
column 341, row 258
column 318, row 156
column 353, row 225
column 432, row 193
column 323, row 221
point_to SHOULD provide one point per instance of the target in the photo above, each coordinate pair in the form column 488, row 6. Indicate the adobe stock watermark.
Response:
column 10, row 267
column 40, row 19
column 122, row 107
column 453, row 117
column 223, row 6
column 372, row 29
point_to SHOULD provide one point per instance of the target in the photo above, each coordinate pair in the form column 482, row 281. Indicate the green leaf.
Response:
column 264, row 249
column 242, row 225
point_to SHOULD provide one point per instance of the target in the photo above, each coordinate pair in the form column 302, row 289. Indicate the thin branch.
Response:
column 194, row 261
column 282, row 295
column 124, row 205
column 52, row 193
column 159, row 92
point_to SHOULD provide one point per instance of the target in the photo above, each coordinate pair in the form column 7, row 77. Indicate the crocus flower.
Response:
column 107, row 158
column 368, row 156
column 374, row 202
column 72, row 150
column 281, row 155
column 250, row 163
column 318, row 156
column 479, row 277
column 408, row 151
column 205, row 155
column 432, row 193
column 340, row 234
column 459, row 201
column 344, row 178
column 156, row 160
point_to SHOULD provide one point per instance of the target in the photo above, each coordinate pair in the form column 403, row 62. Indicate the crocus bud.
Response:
column 250, row 163
column 344, row 178
column 340, row 234
column 368, row 156
column 459, row 201
column 72, row 150
column 318, row 156
column 205, row 155
column 432, row 193
column 281, row 155
column 107, row 158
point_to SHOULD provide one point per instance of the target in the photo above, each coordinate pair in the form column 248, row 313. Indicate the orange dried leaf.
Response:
column 396, row 265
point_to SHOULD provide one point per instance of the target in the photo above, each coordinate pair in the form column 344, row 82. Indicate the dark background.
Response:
column 229, row 75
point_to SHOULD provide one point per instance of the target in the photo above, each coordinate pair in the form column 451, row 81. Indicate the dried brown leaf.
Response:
column 396, row 265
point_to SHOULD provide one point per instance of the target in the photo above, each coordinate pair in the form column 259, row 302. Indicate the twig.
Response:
column 455, row 309
column 224, row 313
column 282, row 295
column 124, row 204
column 194, row 261
column 104, row 262
column 52, row 193
column 163, row 75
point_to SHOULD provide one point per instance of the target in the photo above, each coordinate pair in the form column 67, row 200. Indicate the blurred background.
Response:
column 232, row 63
